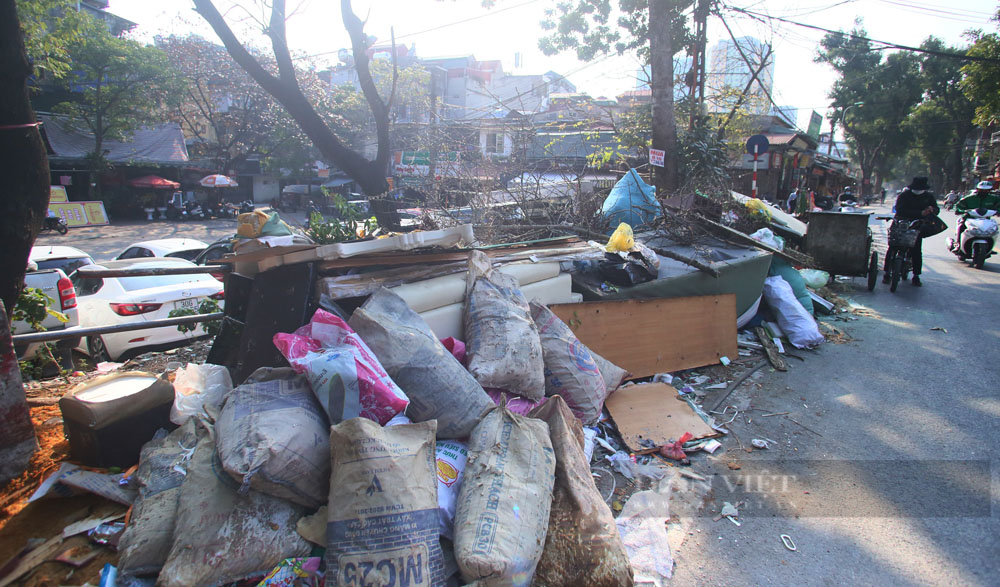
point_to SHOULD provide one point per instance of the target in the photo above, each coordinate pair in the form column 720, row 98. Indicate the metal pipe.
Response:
column 80, row 332
column 86, row 271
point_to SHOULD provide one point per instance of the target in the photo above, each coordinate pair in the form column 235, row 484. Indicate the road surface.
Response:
column 890, row 474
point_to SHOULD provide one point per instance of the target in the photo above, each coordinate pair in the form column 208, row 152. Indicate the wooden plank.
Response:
column 497, row 255
column 660, row 335
column 263, row 253
column 652, row 412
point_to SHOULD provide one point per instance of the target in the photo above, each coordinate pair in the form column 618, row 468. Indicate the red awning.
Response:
column 154, row 182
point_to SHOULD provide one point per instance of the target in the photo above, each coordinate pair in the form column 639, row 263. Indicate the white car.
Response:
column 183, row 248
column 119, row 300
column 68, row 259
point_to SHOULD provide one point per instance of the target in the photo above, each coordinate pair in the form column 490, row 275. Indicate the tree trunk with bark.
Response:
column 24, row 166
column 370, row 175
column 661, row 62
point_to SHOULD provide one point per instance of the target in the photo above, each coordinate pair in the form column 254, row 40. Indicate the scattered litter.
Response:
column 302, row 572
column 116, row 513
column 944, row 330
column 675, row 450
column 642, row 525
column 78, row 556
column 107, row 534
column 733, row 466
column 787, row 541
column 762, row 442
column 725, row 361
column 663, row 378
column 722, row 385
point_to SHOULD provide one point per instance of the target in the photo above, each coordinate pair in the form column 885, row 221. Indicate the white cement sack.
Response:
column 501, row 339
column 612, row 374
column 570, row 369
column 438, row 386
column 451, row 457
column 221, row 536
column 383, row 515
column 794, row 320
column 146, row 541
column 503, row 506
column 273, row 437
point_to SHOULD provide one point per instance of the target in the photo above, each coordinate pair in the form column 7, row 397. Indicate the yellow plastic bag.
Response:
column 249, row 224
column 758, row 207
column 621, row 239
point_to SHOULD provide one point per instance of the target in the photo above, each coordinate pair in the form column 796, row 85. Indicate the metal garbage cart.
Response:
column 841, row 244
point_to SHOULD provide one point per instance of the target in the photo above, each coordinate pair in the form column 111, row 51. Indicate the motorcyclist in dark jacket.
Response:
column 914, row 202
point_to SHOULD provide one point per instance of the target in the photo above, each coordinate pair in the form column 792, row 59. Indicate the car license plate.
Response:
column 188, row 304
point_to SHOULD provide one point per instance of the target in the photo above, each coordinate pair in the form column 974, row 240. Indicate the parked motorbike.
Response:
column 246, row 206
column 55, row 223
column 978, row 238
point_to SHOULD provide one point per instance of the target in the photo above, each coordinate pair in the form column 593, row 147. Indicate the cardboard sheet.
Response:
column 653, row 336
column 653, row 411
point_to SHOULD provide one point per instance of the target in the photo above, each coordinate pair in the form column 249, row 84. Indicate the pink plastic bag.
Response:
column 515, row 403
column 344, row 374
column 455, row 347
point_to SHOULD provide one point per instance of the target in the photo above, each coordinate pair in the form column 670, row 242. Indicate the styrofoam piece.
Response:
column 401, row 242
column 447, row 320
column 450, row 289
column 575, row 298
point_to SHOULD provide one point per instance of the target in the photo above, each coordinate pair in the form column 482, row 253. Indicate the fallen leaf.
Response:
column 734, row 466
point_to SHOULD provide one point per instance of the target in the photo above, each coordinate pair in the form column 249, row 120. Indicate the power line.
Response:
column 887, row 44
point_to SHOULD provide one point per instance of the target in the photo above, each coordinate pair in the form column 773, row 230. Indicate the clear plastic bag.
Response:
column 199, row 390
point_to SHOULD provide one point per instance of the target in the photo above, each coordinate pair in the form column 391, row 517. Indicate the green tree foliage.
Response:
column 981, row 83
column 872, row 97
column 50, row 27
column 943, row 121
column 118, row 85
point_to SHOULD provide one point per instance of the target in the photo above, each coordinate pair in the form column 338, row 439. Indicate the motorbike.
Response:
column 848, row 206
column 246, row 206
column 55, row 223
column 978, row 238
column 903, row 236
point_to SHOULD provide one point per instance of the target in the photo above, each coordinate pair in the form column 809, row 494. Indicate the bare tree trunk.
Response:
column 661, row 61
column 24, row 165
column 370, row 175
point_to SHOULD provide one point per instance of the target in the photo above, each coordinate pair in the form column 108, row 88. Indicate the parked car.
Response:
column 53, row 283
column 213, row 253
column 120, row 300
column 68, row 259
column 182, row 248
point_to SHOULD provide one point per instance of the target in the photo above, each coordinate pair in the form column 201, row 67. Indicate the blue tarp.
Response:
column 632, row 201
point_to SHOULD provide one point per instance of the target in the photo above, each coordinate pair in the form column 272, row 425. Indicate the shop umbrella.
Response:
column 218, row 181
column 153, row 182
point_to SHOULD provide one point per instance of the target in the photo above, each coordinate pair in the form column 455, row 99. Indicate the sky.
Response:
column 461, row 27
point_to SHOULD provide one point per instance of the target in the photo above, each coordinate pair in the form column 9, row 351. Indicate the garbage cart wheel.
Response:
column 872, row 271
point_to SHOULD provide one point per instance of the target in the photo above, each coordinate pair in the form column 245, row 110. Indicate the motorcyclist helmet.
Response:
column 847, row 190
column 985, row 186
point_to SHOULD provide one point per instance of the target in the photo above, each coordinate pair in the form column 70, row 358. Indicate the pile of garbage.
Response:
column 384, row 456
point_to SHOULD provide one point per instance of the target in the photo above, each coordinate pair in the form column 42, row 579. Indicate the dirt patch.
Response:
column 52, row 448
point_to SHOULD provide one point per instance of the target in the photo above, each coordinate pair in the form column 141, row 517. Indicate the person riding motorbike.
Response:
column 951, row 199
column 848, row 195
column 983, row 197
column 914, row 202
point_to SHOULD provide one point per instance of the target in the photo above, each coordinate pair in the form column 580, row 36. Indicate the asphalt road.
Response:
column 889, row 474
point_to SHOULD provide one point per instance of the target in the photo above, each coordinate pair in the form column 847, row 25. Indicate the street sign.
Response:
column 815, row 122
column 657, row 157
column 759, row 142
